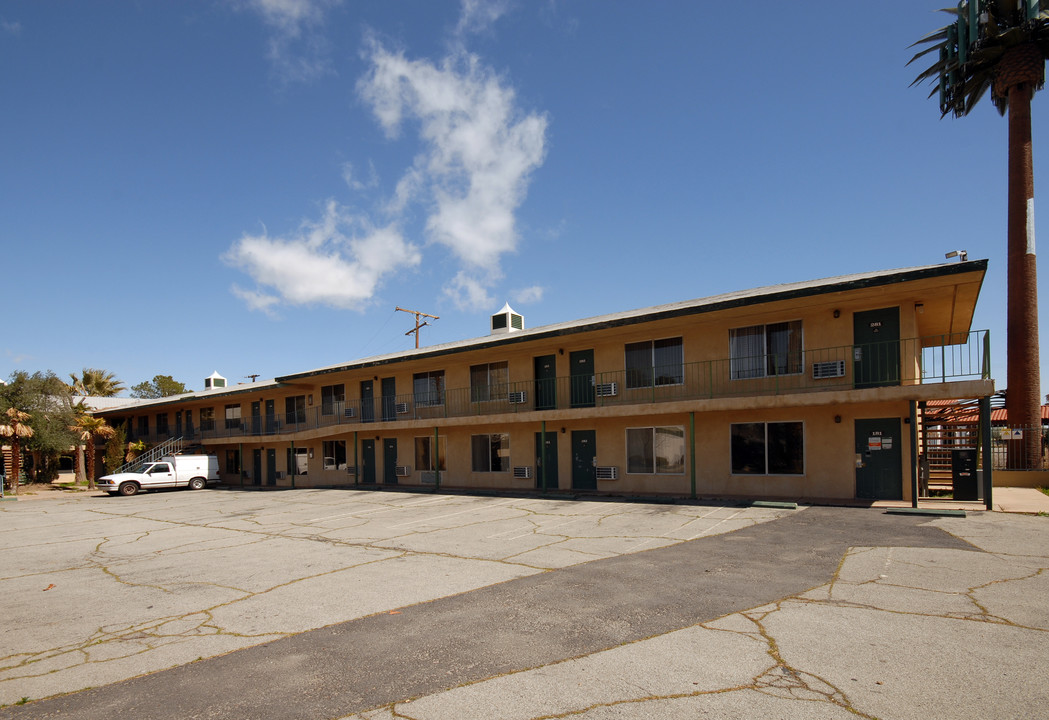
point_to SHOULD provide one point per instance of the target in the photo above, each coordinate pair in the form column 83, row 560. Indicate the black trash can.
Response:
column 963, row 475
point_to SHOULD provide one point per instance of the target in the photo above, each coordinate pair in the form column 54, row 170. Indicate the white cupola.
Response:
column 214, row 381
column 506, row 321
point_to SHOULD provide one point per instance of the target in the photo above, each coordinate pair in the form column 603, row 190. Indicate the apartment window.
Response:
column 428, row 388
column 765, row 350
column 143, row 426
column 207, row 418
column 333, row 398
column 775, row 448
column 655, row 450
column 489, row 381
column 233, row 462
column 298, row 461
column 162, row 424
column 490, row 453
column 424, row 454
column 232, row 417
column 295, row 410
column 655, row 362
column 334, row 454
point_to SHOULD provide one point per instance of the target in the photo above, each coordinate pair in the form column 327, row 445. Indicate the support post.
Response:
column 692, row 452
column 436, row 461
column 356, row 461
column 542, row 455
column 988, row 453
column 915, row 465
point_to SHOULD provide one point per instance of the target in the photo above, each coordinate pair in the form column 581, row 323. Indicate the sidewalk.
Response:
column 1020, row 500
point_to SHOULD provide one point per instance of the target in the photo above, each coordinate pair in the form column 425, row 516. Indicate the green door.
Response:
column 367, row 468
column 389, row 399
column 546, row 459
column 256, row 466
column 581, row 370
column 545, row 382
column 256, row 418
column 584, row 460
column 876, row 348
column 879, row 459
column 389, row 461
column 271, row 418
column 367, row 401
column 271, row 466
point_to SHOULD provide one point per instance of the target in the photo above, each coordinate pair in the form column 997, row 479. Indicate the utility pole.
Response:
column 418, row 324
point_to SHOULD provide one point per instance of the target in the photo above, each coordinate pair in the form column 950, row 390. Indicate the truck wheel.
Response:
column 198, row 483
column 128, row 488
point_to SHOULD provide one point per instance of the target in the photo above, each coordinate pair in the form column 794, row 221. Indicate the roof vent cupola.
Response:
column 214, row 381
column 506, row 321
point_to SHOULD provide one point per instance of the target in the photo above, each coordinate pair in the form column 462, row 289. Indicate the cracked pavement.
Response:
column 376, row 605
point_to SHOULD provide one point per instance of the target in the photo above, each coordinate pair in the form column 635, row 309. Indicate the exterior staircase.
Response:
column 168, row 447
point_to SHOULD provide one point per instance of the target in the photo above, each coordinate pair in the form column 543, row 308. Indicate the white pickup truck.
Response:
column 172, row 471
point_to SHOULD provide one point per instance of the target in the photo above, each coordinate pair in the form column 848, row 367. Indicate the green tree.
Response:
column 160, row 386
column 96, row 383
column 89, row 430
column 1001, row 46
column 16, row 427
column 48, row 402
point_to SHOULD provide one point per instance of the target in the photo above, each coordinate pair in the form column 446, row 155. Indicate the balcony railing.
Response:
column 915, row 361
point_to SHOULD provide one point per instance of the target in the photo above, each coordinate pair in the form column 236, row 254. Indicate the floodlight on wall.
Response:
column 962, row 255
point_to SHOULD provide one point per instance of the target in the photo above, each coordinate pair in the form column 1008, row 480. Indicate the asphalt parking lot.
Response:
column 364, row 604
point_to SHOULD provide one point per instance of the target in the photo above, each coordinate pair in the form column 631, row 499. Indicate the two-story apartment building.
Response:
column 808, row 389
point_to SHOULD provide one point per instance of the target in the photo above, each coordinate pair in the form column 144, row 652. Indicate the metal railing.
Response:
column 168, row 447
column 915, row 361
column 1019, row 447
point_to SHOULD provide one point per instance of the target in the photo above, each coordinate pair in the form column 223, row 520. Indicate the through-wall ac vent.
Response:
column 606, row 389
column 428, row 477
column 349, row 412
column 402, row 471
column 610, row 472
column 518, row 398
column 523, row 472
column 830, row 369
column 279, row 474
column 401, row 408
column 351, row 469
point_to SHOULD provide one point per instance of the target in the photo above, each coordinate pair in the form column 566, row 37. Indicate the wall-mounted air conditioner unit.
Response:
column 402, row 471
column 280, row 474
column 351, row 469
column 606, row 389
column 522, row 472
column 830, row 369
column 401, row 408
column 349, row 412
column 428, row 477
column 610, row 472
column 518, row 398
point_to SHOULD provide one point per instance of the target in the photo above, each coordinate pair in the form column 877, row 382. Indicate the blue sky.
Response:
column 252, row 186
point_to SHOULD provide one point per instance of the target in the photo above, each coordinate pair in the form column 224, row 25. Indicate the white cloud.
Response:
column 297, row 49
column 478, row 153
column 479, row 15
column 469, row 293
column 528, row 295
column 350, row 177
column 10, row 27
column 339, row 261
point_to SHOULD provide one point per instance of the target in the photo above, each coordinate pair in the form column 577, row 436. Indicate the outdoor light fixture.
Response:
column 920, row 307
column 837, row 313
column 962, row 255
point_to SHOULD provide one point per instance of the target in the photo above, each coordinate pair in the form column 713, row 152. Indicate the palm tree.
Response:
column 1001, row 46
column 91, row 429
column 16, row 428
column 97, row 383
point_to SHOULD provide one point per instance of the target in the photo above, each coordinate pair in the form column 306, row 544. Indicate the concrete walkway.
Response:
column 822, row 612
column 1020, row 500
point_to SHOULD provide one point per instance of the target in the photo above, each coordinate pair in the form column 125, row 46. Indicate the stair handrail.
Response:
column 169, row 447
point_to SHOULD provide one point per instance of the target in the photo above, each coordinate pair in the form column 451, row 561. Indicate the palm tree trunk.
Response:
column 16, row 463
column 1023, row 399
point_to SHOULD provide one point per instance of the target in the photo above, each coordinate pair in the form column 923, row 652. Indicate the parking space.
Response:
column 99, row 589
